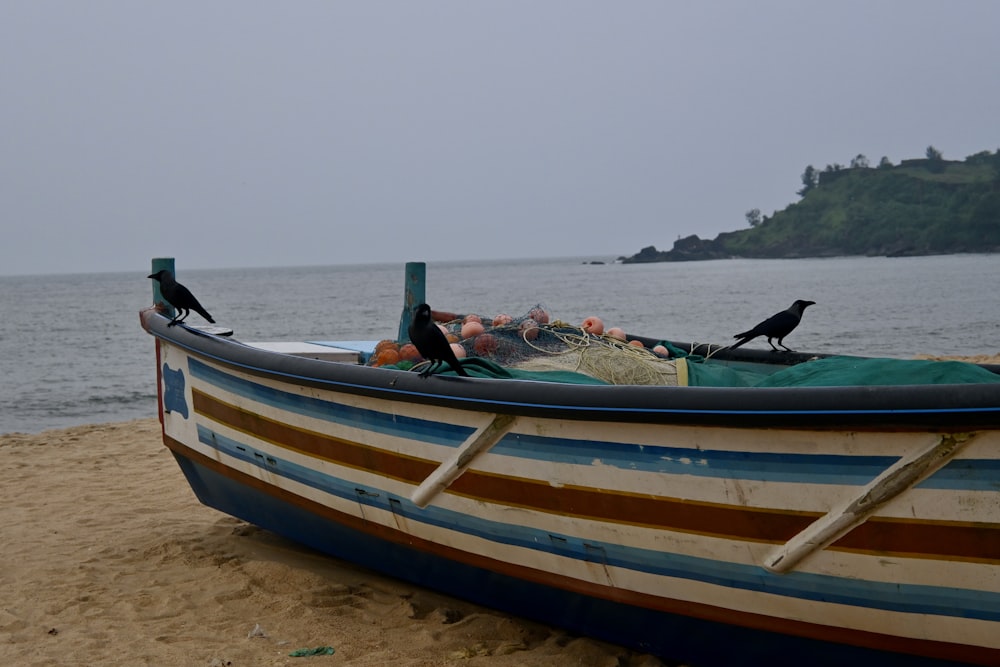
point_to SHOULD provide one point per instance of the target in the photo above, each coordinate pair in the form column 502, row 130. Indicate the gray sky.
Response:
column 245, row 133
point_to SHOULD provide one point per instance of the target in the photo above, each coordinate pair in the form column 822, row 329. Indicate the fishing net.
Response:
column 533, row 347
column 557, row 347
column 533, row 343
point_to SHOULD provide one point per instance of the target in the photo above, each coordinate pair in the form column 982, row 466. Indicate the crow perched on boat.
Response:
column 179, row 297
column 777, row 326
column 431, row 342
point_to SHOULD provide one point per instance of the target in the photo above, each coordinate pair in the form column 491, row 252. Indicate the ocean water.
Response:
column 72, row 351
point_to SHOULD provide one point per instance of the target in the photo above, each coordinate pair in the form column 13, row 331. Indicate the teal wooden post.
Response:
column 414, row 294
column 168, row 264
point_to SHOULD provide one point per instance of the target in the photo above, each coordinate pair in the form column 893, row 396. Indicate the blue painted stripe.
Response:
column 906, row 598
column 959, row 475
column 434, row 432
column 762, row 466
column 966, row 475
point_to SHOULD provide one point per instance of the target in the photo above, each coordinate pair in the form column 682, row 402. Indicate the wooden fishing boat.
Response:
column 820, row 525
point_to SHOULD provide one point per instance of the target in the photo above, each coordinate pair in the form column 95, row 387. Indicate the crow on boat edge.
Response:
column 179, row 297
column 431, row 343
column 777, row 326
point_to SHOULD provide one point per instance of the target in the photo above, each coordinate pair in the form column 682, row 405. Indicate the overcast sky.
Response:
column 242, row 133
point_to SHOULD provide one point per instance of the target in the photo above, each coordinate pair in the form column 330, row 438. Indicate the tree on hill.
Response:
column 860, row 162
column 810, row 179
column 935, row 161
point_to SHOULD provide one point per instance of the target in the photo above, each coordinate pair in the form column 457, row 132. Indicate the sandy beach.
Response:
column 109, row 559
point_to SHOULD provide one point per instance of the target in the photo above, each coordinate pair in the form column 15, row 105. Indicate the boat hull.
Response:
column 677, row 636
column 707, row 544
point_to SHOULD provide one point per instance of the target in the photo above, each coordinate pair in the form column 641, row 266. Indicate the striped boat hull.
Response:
column 667, row 535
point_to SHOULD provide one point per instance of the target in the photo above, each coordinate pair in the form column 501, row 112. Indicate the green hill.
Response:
column 920, row 207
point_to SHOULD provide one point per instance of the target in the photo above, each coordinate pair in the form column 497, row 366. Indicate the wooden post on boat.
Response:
column 168, row 264
column 414, row 294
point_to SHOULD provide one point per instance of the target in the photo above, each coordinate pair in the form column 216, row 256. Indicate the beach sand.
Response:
column 109, row 559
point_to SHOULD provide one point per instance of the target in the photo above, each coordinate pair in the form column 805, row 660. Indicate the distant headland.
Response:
column 925, row 206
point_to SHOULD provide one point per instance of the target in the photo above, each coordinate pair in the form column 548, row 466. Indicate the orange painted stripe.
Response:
column 960, row 541
column 884, row 536
column 975, row 655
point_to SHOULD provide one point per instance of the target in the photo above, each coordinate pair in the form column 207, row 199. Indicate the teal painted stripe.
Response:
column 904, row 598
column 424, row 430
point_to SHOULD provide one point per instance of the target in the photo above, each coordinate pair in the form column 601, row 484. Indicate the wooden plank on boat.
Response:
column 894, row 480
column 453, row 467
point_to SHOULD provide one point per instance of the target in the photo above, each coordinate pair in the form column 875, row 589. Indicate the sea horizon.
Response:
column 489, row 261
column 606, row 258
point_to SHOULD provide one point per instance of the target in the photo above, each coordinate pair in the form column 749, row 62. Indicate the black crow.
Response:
column 777, row 326
column 179, row 297
column 431, row 343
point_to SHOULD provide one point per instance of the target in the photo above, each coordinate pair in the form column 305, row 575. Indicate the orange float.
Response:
column 528, row 329
column 485, row 345
column 409, row 352
column 593, row 325
column 386, row 357
column 539, row 315
column 472, row 328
